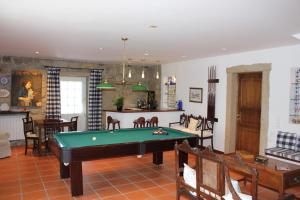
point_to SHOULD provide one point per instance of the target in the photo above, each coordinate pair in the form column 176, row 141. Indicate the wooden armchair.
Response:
column 210, row 175
column 205, row 180
column 182, row 123
column 236, row 164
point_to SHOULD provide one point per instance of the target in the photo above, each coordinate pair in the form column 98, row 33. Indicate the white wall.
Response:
column 193, row 73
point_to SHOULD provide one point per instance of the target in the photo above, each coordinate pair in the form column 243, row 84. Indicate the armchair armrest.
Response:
column 173, row 123
column 4, row 136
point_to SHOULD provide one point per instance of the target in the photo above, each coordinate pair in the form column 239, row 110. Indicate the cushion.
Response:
column 205, row 133
column 189, row 177
column 286, row 140
column 178, row 127
column 193, row 124
column 293, row 155
column 241, row 195
column 235, row 185
column 277, row 151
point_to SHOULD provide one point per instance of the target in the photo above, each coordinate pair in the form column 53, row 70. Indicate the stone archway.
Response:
column 231, row 104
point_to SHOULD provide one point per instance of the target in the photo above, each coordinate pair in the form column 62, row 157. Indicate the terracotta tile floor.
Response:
column 32, row 177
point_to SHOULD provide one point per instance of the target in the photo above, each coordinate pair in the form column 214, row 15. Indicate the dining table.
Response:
column 40, row 125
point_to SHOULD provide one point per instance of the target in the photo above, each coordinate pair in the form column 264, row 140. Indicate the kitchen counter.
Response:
column 127, row 116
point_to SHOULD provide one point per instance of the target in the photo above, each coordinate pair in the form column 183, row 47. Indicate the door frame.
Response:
column 231, row 104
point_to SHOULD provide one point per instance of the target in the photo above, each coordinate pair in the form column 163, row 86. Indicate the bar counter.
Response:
column 127, row 116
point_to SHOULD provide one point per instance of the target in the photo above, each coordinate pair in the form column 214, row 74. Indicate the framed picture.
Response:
column 196, row 95
column 26, row 88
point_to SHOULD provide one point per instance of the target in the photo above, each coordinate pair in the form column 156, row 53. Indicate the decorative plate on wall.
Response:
column 4, row 93
column 3, row 80
column 4, row 107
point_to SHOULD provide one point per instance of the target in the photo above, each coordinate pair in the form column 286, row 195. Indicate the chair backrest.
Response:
column 154, row 122
column 211, row 171
column 141, row 122
column 211, row 178
column 208, row 124
column 200, row 120
column 28, row 126
column 74, row 124
column 183, row 119
column 109, row 119
column 52, row 126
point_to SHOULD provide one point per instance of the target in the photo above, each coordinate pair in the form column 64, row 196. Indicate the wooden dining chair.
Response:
column 30, row 134
column 139, row 123
column 153, row 122
column 74, row 124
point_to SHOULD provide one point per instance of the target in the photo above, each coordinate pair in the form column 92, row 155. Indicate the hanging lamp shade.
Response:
column 105, row 86
column 139, row 87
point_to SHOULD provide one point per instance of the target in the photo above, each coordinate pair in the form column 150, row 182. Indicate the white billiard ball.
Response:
column 94, row 138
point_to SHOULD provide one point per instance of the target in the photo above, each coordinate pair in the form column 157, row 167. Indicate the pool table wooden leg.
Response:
column 158, row 158
column 64, row 171
column 76, row 178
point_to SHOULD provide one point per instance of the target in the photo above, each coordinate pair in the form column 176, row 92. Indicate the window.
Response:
column 72, row 94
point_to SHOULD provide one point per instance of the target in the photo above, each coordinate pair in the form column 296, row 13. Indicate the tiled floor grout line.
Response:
column 113, row 187
column 19, row 176
column 93, row 190
column 39, row 175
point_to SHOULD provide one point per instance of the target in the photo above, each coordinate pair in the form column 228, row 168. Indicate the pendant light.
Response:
column 129, row 67
column 124, row 39
column 157, row 72
column 140, row 87
column 105, row 86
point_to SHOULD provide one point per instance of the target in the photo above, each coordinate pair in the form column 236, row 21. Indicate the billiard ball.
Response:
column 94, row 138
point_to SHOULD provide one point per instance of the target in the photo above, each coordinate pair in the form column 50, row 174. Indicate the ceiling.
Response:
column 186, row 29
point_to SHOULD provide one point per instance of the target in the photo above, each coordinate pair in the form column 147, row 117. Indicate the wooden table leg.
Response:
column 76, row 178
column 157, row 158
column 281, row 187
column 64, row 170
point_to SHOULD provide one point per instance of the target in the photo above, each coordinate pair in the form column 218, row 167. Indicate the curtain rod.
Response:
column 72, row 68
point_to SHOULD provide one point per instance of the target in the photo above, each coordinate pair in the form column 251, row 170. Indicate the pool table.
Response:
column 71, row 148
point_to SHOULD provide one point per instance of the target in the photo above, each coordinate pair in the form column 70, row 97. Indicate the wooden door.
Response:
column 249, row 110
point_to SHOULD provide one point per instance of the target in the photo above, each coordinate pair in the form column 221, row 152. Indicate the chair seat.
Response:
column 178, row 127
column 205, row 133
column 115, row 121
column 292, row 155
column 32, row 135
column 241, row 195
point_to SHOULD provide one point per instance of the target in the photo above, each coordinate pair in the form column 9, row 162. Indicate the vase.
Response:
column 119, row 108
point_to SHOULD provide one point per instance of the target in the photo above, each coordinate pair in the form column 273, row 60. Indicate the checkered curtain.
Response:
column 53, row 94
column 95, row 101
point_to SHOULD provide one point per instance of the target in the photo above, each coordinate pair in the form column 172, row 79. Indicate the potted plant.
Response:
column 119, row 102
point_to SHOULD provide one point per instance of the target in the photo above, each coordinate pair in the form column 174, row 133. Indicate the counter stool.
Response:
column 153, row 122
column 139, row 123
column 112, row 121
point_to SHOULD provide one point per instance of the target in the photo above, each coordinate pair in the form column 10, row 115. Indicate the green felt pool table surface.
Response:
column 85, row 138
